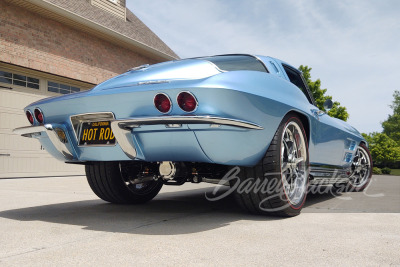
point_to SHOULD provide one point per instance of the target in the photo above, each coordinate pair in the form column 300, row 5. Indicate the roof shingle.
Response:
column 132, row 28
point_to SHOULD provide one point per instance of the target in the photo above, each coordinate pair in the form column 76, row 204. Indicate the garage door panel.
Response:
column 21, row 156
column 10, row 121
column 17, row 100
column 11, row 141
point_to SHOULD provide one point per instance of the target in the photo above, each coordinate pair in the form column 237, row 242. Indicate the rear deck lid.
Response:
column 187, row 69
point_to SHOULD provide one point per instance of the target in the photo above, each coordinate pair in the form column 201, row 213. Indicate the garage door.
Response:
column 21, row 156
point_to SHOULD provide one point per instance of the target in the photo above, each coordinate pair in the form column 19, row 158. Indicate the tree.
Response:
column 391, row 127
column 337, row 110
column 383, row 149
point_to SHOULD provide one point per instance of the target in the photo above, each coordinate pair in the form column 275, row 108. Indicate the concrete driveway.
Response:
column 59, row 221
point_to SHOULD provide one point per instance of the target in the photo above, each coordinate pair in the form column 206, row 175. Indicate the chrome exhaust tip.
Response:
column 167, row 170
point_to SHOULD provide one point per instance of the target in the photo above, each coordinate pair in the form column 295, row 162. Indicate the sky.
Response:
column 353, row 46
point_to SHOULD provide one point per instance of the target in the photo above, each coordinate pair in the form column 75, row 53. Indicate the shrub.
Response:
column 386, row 170
column 376, row 170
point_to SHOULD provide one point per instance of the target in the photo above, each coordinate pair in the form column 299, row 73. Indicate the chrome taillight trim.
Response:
column 33, row 116
column 41, row 112
column 197, row 102
column 169, row 99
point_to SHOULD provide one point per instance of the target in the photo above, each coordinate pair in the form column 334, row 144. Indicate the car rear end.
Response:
column 180, row 111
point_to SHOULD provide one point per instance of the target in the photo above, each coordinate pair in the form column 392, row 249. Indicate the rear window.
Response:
column 239, row 62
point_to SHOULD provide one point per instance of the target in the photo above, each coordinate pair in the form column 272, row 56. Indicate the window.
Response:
column 114, row 1
column 20, row 80
column 236, row 62
column 61, row 88
column 296, row 78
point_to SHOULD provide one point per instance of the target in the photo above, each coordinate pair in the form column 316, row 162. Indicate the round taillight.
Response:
column 187, row 101
column 29, row 116
column 162, row 103
column 39, row 115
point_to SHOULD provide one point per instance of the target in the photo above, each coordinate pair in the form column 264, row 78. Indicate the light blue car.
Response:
column 195, row 120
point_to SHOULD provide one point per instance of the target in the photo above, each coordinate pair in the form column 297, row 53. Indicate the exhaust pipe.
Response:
column 173, row 173
column 167, row 170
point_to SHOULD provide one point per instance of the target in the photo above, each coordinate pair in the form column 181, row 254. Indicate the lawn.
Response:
column 395, row 172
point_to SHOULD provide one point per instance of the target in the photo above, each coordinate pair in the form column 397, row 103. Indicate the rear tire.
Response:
column 111, row 182
column 283, row 172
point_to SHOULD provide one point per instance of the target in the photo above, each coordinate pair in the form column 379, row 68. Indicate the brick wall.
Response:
column 32, row 41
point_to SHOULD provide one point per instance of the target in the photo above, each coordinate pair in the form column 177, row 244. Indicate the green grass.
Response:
column 395, row 172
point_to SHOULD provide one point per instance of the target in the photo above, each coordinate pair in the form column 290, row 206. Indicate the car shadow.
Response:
column 170, row 213
column 318, row 194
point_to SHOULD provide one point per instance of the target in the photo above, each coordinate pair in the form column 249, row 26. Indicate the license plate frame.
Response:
column 96, row 133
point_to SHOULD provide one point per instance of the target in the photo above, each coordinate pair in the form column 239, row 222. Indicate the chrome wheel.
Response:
column 361, row 168
column 282, row 174
column 294, row 170
column 137, row 178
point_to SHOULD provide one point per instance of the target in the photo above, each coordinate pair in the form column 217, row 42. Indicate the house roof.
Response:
column 131, row 31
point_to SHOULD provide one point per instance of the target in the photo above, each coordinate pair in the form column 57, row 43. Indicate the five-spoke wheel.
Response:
column 293, row 158
column 278, row 183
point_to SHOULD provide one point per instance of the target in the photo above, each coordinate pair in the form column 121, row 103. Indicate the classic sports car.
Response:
column 194, row 120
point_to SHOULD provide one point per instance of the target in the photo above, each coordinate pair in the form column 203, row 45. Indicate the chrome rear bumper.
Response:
column 122, row 129
column 32, row 131
column 179, row 120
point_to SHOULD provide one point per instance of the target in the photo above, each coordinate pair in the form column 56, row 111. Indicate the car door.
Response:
column 328, row 137
column 333, row 144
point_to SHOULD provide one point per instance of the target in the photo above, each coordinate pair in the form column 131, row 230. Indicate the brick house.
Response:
column 53, row 47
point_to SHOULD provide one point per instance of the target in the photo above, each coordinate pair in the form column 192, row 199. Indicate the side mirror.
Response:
column 328, row 104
